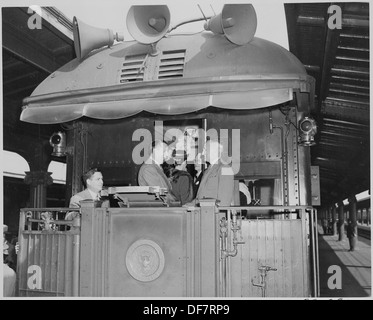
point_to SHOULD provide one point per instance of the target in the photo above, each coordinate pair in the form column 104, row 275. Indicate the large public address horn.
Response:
column 87, row 38
column 149, row 23
column 236, row 21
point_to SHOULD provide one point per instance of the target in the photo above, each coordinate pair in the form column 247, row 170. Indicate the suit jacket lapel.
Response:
column 211, row 170
column 161, row 173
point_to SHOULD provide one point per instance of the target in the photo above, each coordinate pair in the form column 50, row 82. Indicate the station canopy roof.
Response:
column 339, row 60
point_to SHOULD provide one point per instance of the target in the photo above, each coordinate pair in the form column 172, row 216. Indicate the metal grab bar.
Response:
column 225, row 252
column 263, row 278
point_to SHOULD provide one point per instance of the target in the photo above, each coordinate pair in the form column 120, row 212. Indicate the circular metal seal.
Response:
column 145, row 260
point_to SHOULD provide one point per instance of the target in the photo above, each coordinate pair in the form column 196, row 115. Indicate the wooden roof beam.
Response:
column 26, row 49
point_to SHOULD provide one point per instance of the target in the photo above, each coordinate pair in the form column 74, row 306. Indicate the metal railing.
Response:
column 51, row 244
column 51, row 221
column 46, row 219
column 230, row 241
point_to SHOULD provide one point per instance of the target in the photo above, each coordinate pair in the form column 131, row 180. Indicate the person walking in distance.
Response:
column 351, row 234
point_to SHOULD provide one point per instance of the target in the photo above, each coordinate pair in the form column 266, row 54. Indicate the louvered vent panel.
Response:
column 132, row 69
column 172, row 64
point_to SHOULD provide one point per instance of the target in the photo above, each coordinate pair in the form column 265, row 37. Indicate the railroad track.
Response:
column 363, row 232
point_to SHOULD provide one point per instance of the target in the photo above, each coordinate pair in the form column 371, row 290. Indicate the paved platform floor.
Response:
column 355, row 267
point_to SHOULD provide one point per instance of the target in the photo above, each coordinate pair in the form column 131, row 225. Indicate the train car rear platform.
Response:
column 355, row 268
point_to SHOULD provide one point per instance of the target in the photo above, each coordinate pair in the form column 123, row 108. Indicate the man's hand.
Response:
column 71, row 215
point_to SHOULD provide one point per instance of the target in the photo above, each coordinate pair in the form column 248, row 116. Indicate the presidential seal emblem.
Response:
column 145, row 260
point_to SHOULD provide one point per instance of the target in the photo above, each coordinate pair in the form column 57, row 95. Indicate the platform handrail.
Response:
column 295, row 207
column 47, row 219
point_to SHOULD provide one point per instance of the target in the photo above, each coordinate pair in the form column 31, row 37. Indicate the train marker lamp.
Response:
column 58, row 142
column 307, row 131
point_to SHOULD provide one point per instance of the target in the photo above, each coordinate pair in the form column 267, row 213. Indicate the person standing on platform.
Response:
column 9, row 275
column 181, row 180
column 151, row 173
column 198, row 173
column 93, row 181
column 325, row 225
column 217, row 181
column 351, row 234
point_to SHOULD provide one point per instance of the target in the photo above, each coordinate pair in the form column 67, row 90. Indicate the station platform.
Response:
column 355, row 267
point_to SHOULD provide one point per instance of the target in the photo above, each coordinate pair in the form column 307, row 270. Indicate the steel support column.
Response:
column 334, row 219
column 341, row 223
column 353, row 211
column 38, row 180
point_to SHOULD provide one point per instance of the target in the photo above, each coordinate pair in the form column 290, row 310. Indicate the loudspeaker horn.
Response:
column 149, row 23
column 236, row 21
column 87, row 38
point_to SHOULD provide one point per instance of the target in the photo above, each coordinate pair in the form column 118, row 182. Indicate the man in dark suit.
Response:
column 197, row 174
column 217, row 180
column 151, row 172
column 180, row 178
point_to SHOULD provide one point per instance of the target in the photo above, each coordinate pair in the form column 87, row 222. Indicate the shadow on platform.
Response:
column 355, row 267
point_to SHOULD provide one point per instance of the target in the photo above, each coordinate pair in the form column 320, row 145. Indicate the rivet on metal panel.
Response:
column 211, row 55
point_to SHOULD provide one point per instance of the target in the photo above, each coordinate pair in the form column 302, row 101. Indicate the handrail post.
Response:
column 210, row 248
column 76, row 255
